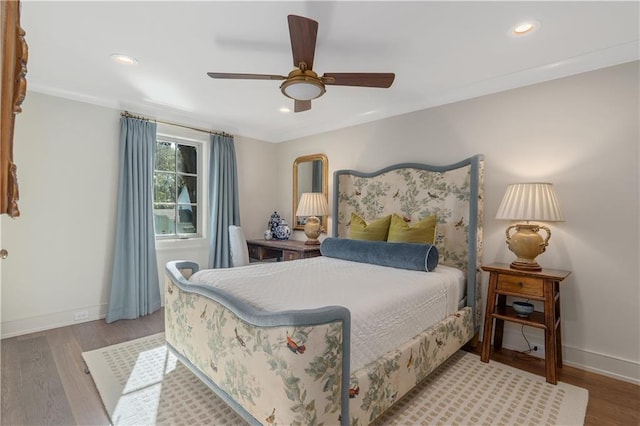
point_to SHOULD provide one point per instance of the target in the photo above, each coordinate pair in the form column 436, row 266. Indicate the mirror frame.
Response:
column 13, row 89
column 325, row 186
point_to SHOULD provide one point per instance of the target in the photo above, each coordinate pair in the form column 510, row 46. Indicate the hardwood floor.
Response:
column 43, row 379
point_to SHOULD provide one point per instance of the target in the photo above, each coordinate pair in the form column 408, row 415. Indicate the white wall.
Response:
column 61, row 248
column 257, row 184
column 580, row 133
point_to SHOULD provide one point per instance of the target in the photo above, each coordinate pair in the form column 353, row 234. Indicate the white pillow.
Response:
column 238, row 246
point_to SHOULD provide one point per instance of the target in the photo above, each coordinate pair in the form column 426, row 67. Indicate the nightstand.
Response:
column 542, row 286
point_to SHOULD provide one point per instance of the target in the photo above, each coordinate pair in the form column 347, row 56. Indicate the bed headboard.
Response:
column 454, row 193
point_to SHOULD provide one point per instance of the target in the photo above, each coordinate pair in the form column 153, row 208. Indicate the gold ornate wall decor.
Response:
column 310, row 174
column 13, row 88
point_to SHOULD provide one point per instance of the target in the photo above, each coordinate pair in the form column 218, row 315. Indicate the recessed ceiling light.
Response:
column 284, row 110
column 123, row 59
column 525, row 28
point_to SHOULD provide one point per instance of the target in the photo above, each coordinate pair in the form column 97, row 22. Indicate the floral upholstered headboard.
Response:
column 453, row 193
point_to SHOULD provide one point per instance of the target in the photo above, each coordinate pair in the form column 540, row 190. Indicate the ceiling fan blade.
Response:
column 303, row 33
column 245, row 76
column 300, row 106
column 364, row 79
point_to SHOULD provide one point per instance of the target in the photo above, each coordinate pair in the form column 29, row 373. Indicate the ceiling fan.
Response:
column 303, row 84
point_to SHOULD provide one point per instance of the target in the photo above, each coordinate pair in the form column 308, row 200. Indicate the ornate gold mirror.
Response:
column 13, row 89
column 309, row 175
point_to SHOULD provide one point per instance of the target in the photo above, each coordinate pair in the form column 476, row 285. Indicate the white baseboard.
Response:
column 46, row 322
column 606, row 365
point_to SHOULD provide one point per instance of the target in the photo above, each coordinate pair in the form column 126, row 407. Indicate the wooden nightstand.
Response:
column 543, row 286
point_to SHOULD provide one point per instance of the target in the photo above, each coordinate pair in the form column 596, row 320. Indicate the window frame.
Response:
column 200, row 146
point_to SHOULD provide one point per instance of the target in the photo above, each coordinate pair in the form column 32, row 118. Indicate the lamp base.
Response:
column 526, row 243
column 526, row 266
column 312, row 230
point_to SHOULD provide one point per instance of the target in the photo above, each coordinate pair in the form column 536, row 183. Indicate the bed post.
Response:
column 476, row 209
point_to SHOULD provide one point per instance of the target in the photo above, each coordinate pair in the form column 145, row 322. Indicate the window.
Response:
column 176, row 182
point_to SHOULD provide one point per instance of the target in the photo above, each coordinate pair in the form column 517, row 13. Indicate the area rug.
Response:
column 142, row 383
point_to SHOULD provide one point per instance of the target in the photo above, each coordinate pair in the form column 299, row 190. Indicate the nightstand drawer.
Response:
column 281, row 249
column 290, row 255
column 254, row 252
column 521, row 285
column 261, row 253
column 295, row 255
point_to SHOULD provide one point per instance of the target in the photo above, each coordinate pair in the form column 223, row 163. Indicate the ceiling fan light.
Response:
column 302, row 89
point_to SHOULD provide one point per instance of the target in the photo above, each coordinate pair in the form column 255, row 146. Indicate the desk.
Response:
column 281, row 249
column 534, row 285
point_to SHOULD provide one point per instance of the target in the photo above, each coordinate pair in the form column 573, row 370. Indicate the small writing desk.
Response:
column 282, row 250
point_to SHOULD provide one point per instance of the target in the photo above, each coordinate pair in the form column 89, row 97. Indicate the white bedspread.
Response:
column 388, row 306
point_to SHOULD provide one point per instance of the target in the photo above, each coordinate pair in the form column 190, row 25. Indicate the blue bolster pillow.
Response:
column 414, row 256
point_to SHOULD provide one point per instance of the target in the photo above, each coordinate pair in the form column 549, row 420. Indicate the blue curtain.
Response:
column 223, row 207
column 135, row 287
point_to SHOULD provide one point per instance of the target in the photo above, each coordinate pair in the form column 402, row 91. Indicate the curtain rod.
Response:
column 211, row 132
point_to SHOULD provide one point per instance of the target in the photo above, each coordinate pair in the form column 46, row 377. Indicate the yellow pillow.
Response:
column 422, row 232
column 376, row 230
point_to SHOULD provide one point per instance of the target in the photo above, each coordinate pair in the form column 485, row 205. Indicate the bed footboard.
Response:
column 377, row 386
column 286, row 367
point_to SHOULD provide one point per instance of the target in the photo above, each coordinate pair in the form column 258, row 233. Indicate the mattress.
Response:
column 388, row 306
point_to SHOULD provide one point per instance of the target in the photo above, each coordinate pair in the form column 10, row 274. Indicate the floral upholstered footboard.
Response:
column 377, row 386
column 284, row 368
column 293, row 367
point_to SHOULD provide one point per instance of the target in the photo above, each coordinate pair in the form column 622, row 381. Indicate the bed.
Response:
column 300, row 343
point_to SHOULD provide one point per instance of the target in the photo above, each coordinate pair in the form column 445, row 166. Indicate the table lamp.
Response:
column 312, row 205
column 529, row 201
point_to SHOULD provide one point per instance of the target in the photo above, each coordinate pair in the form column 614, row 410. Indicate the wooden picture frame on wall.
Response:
column 13, row 86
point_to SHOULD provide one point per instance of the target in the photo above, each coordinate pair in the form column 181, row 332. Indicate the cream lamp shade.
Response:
column 312, row 205
column 529, row 202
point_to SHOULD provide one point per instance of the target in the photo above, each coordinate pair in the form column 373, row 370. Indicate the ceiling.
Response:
column 441, row 52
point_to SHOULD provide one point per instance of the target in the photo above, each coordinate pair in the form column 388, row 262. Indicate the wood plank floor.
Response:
column 43, row 379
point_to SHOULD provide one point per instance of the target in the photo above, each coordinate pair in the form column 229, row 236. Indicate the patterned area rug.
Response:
column 141, row 383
